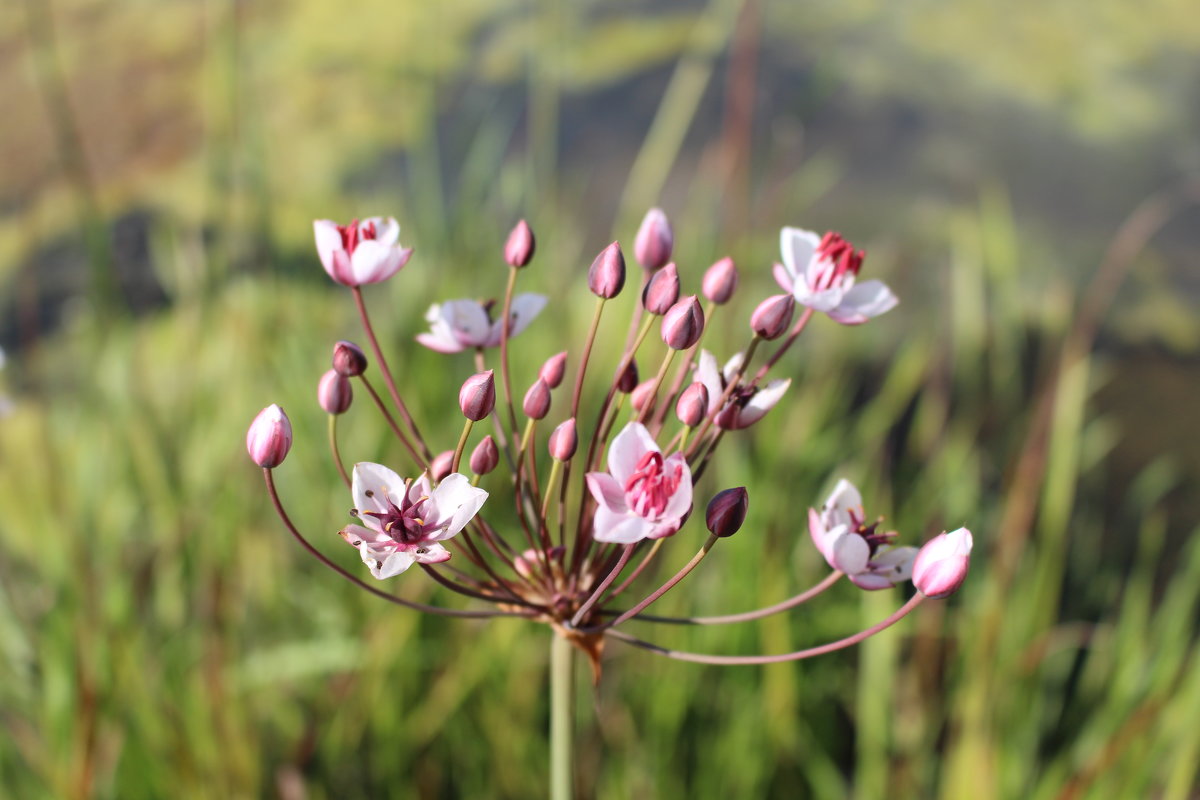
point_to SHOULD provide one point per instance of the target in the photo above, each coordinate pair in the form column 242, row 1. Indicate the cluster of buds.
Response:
column 567, row 534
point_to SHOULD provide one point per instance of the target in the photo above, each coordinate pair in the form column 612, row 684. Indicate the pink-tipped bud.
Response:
column 683, row 324
column 773, row 316
column 477, row 397
column 333, row 392
column 606, row 276
column 485, row 456
column 269, row 438
column 553, row 370
column 720, row 281
column 692, row 405
column 349, row 359
column 655, row 240
column 564, row 441
column 941, row 565
column 727, row 511
column 627, row 381
column 643, row 396
column 662, row 290
column 530, row 562
column 441, row 465
column 537, row 400
column 518, row 250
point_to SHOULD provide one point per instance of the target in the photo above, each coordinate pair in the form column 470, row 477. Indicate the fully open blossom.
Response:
column 820, row 272
column 457, row 325
column 746, row 405
column 361, row 252
column 643, row 495
column 406, row 520
column 851, row 545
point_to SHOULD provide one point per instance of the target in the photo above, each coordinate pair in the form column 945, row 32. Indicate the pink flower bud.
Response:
column 441, row 465
column 642, row 395
column 655, row 239
column 692, row 405
column 773, row 316
column 554, row 368
column 530, row 563
column 349, row 359
column 485, row 456
column 683, row 324
column 606, row 276
column 627, row 381
column 720, row 281
column 537, row 400
column 518, row 250
column 662, row 290
column 727, row 511
column 269, row 438
column 333, row 392
column 941, row 565
column 477, row 397
column 564, row 440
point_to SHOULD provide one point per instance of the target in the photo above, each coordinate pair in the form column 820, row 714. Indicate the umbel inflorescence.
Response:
column 589, row 479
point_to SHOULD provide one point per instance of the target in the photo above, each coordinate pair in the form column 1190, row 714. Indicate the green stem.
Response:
column 562, row 717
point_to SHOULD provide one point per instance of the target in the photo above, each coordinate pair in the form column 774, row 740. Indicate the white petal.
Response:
column 707, row 373
column 844, row 496
column 896, row 563
column 866, row 300
column 372, row 485
column 785, row 279
column 797, row 247
column 607, row 491
column 524, row 308
column 762, row 402
column 456, row 501
column 871, row 581
column 329, row 241
column 628, row 530
column 825, row 300
column 430, row 554
column 391, row 566
column 680, row 503
column 850, row 553
column 732, row 366
column 387, row 230
column 468, row 322
column 627, row 449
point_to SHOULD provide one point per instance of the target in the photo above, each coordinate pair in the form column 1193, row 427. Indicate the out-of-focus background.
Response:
column 1022, row 174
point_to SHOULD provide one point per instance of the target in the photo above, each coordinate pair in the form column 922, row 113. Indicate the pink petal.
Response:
column 825, row 300
column 627, row 449
column 784, row 278
column 863, row 301
column 329, row 241
column 440, row 344
column 430, row 554
column 681, row 502
column 850, row 553
column 707, row 373
column 628, row 530
column 524, row 308
column 607, row 491
column 387, row 230
column 797, row 247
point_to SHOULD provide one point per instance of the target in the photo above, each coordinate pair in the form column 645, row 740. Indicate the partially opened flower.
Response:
column 457, row 325
column 406, row 520
column 361, row 252
column 849, row 544
column 820, row 272
column 643, row 495
column 746, row 405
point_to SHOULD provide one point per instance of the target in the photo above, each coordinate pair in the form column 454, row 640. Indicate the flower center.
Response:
column 651, row 487
column 406, row 523
column 838, row 259
column 875, row 538
column 353, row 233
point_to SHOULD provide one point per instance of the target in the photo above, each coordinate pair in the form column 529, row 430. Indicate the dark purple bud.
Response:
column 662, row 290
column 564, row 440
column 655, row 239
column 554, row 368
column 773, row 316
column 720, row 281
column 628, row 379
column 683, row 324
column 485, row 456
column 692, row 406
column 642, row 395
column 477, row 397
column 518, row 250
column 537, row 400
column 606, row 277
column 727, row 511
column 269, row 437
column 349, row 359
column 441, row 465
column 333, row 392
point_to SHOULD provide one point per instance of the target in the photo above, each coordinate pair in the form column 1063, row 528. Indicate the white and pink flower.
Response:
column 643, row 495
column 361, row 252
column 745, row 405
column 820, row 272
column 851, row 545
column 458, row 325
column 407, row 520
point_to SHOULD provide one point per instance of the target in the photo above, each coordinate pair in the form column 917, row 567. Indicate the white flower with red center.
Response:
column 820, row 272
column 406, row 520
column 851, row 545
column 746, row 405
column 643, row 495
column 361, row 252
column 457, row 325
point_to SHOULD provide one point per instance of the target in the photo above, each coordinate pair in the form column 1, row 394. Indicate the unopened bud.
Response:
column 333, row 392
column 485, row 456
column 643, row 395
column 727, row 511
column 662, row 290
column 683, row 324
column 518, row 250
column 564, row 440
column 349, row 359
column 941, row 565
column 606, row 276
column 537, row 400
column 530, row 562
column 655, row 240
column 773, row 316
column 441, row 465
column 692, row 405
column 554, row 368
column 627, row 381
column 720, row 281
column 269, row 437
column 477, row 397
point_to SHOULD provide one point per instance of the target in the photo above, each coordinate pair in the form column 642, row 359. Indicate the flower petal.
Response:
column 524, row 308
column 607, row 491
column 785, row 279
column 329, row 241
column 680, row 503
column 456, row 501
column 373, row 485
column 762, row 402
column 797, row 247
column 391, row 566
column 708, row 374
column 627, row 449
column 626, row 531
column 850, row 553
column 430, row 554
column 387, row 230
column 824, row 300
column 863, row 301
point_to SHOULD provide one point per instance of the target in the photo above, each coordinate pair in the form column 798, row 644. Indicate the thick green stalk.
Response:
column 562, row 718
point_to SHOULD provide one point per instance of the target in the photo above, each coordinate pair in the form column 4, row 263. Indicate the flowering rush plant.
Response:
column 600, row 472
